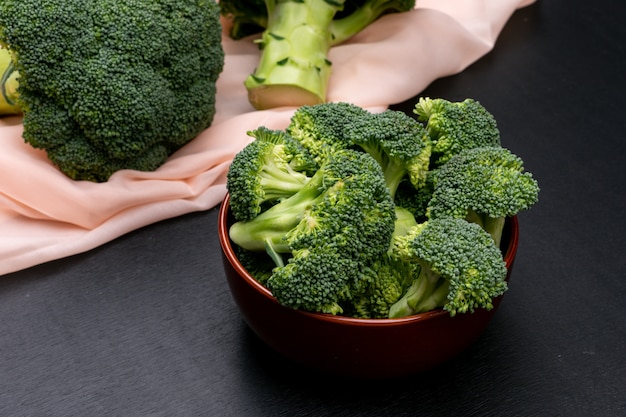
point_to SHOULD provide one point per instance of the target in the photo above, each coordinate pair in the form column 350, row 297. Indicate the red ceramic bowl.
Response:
column 371, row 348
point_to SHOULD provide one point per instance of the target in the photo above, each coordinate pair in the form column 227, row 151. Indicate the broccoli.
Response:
column 461, row 268
column 483, row 185
column 398, row 142
column 296, row 36
column 390, row 277
column 395, row 140
column 345, row 203
column 321, row 128
column 342, row 217
column 455, row 126
column 271, row 168
column 113, row 84
column 8, row 84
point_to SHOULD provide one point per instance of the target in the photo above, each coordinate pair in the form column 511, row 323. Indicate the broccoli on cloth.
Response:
column 106, row 85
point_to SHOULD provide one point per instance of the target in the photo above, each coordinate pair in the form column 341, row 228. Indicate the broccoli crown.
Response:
column 486, row 180
column 321, row 128
column 271, row 168
column 319, row 279
column 397, row 141
column 455, row 126
column 461, row 267
column 113, row 84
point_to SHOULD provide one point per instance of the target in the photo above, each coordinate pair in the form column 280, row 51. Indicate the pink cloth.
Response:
column 46, row 216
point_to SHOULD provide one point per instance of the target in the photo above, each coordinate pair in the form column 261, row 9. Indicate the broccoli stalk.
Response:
column 461, row 268
column 8, row 84
column 294, row 68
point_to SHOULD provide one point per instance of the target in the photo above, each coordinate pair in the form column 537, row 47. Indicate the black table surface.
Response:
column 145, row 325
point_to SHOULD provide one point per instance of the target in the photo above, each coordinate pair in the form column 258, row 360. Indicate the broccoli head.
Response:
column 483, row 185
column 397, row 141
column 296, row 36
column 461, row 268
column 269, row 169
column 106, row 85
column 321, row 128
column 455, row 126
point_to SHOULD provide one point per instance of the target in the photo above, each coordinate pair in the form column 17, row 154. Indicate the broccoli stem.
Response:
column 293, row 69
column 492, row 225
column 427, row 292
column 8, row 84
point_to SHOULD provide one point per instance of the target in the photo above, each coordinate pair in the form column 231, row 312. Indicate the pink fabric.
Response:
column 46, row 216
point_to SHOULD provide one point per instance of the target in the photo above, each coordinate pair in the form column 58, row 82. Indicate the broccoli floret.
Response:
column 323, row 238
column 269, row 169
column 461, row 268
column 483, row 185
column 390, row 277
column 455, row 126
column 321, row 128
column 8, row 84
column 294, row 68
column 113, row 84
column 397, row 141
column 345, row 203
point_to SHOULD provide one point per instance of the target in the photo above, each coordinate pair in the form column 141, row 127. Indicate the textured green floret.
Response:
column 318, row 280
column 113, row 84
column 324, row 237
column 296, row 36
column 271, row 168
column 455, row 126
column 483, row 185
column 345, row 200
column 397, row 141
column 461, row 268
column 321, row 128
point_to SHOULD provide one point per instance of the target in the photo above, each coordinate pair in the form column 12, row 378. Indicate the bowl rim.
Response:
column 227, row 248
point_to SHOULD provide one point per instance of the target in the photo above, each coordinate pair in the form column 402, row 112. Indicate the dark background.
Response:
column 145, row 325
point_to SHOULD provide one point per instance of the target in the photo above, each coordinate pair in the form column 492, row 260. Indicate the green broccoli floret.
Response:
column 340, row 222
column 294, row 68
column 390, row 277
column 271, row 168
column 461, row 268
column 483, row 185
column 8, row 84
column 113, row 84
column 455, row 126
column 345, row 204
column 321, row 128
column 397, row 141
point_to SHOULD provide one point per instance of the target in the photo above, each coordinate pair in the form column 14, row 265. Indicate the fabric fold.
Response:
column 45, row 216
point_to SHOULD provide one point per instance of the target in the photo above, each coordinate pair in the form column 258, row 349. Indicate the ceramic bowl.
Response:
column 370, row 348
